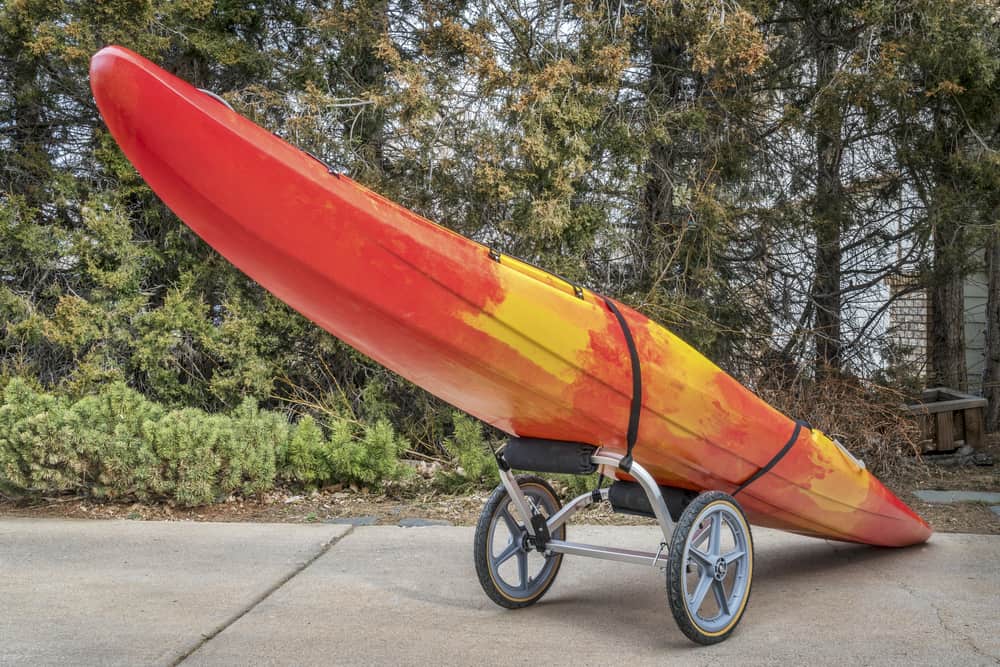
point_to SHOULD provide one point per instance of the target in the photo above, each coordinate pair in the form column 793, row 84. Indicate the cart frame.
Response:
column 600, row 457
column 691, row 545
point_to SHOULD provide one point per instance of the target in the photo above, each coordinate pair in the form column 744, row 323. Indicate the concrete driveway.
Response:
column 128, row 592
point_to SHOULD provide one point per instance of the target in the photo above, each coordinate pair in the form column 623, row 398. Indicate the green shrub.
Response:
column 577, row 484
column 370, row 459
column 118, row 445
column 39, row 447
column 112, row 429
column 305, row 460
column 187, row 444
column 475, row 464
column 250, row 458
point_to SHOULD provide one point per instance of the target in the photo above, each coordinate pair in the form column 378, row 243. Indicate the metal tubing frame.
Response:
column 554, row 522
column 572, row 507
column 519, row 499
column 608, row 553
column 648, row 485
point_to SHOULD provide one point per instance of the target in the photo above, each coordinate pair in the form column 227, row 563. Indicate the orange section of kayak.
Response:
column 502, row 340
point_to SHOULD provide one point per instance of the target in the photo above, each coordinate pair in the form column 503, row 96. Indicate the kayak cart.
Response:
column 706, row 550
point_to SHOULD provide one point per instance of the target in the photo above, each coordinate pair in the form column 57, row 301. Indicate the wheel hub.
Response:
column 719, row 571
column 526, row 541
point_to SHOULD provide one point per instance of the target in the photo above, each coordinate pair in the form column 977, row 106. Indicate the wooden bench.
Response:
column 949, row 419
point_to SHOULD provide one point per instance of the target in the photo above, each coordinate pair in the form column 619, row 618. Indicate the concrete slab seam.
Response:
column 205, row 638
column 846, row 555
column 969, row 641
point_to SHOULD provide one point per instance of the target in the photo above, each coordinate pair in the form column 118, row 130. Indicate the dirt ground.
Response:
column 463, row 510
column 955, row 517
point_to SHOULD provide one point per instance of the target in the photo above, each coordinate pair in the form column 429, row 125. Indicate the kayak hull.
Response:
column 502, row 340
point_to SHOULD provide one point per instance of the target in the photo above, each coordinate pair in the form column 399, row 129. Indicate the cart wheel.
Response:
column 711, row 552
column 512, row 574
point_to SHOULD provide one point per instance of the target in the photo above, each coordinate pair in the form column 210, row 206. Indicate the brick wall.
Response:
column 908, row 325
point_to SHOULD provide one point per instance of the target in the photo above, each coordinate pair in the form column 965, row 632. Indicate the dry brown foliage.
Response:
column 867, row 418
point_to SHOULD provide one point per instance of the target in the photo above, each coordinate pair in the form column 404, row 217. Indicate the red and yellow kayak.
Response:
column 502, row 340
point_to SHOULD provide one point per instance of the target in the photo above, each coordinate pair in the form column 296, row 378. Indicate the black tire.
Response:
column 490, row 578
column 687, row 558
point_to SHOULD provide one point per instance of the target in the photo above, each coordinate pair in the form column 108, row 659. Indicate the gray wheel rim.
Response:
column 716, row 576
column 516, row 571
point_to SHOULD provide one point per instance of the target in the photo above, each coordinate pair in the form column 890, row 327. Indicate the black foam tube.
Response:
column 556, row 456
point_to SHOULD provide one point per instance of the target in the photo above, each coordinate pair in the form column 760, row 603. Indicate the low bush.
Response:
column 125, row 460
column 573, row 485
column 476, row 465
column 370, row 458
column 40, row 442
column 304, row 458
column 250, row 459
column 187, row 444
column 118, row 445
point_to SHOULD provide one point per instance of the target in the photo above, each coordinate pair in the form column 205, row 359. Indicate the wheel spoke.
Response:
column 712, row 535
column 700, row 534
column 510, row 575
column 734, row 555
column 513, row 526
column 699, row 593
column 702, row 557
column 507, row 553
column 720, row 597
column 715, row 542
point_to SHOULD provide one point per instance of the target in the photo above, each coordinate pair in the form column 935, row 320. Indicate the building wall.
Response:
column 907, row 332
column 908, row 327
column 975, row 330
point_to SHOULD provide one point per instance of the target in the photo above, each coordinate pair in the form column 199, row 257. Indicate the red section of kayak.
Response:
column 503, row 341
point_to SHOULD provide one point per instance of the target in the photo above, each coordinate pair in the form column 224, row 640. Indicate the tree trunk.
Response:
column 946, row 331
column 658, row 224
column 368, row 74
column 28, row 170
column 828, row 211
column 947, row 340
column 991, row 373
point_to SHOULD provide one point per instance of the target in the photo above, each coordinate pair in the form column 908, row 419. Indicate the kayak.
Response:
column 500, row 339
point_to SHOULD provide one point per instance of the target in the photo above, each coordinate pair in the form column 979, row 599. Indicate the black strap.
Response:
column 633, row 417
column 799, row 424
column 595, row 495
